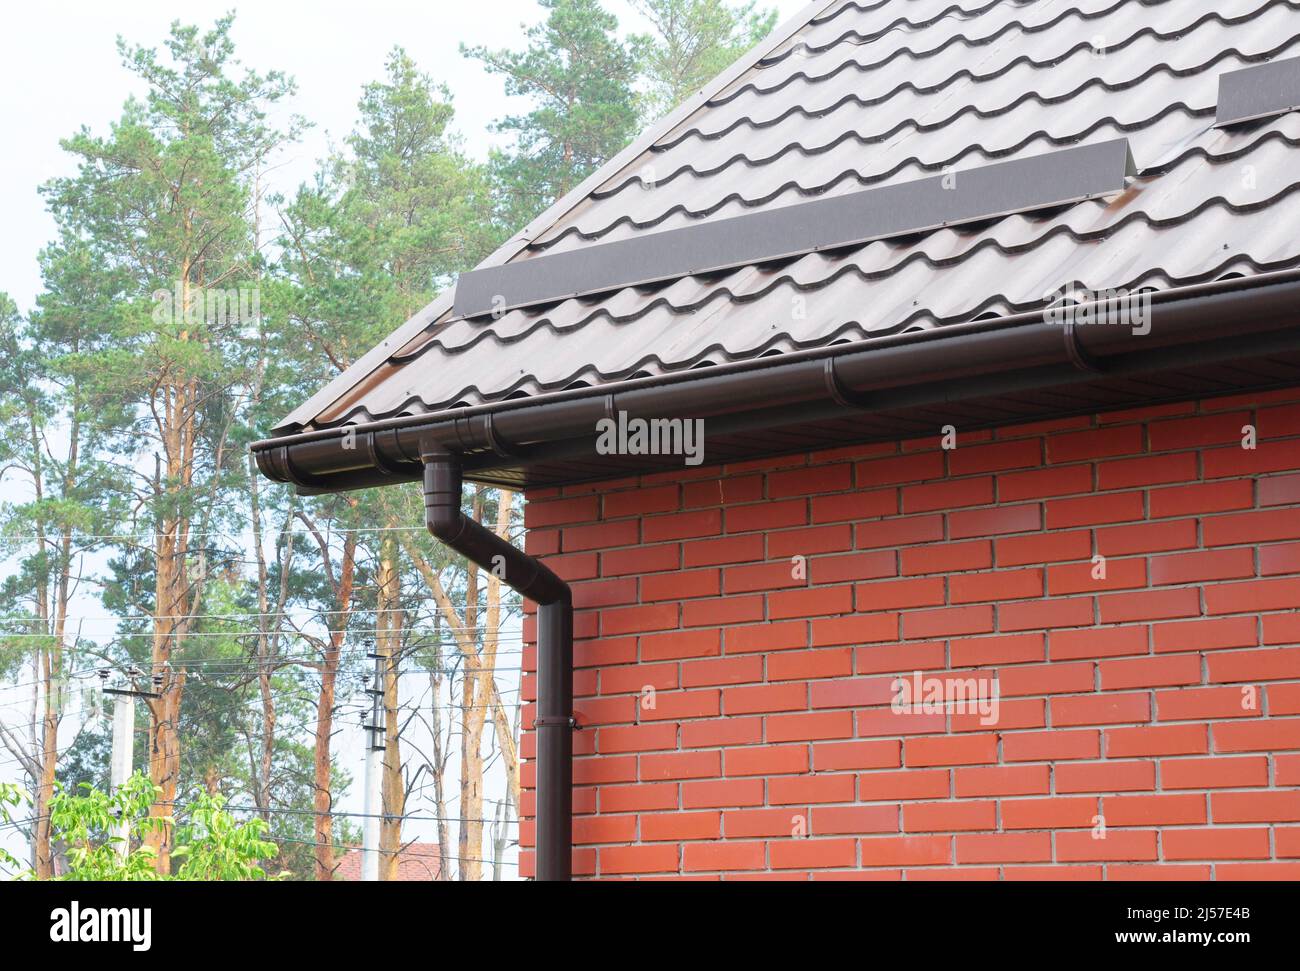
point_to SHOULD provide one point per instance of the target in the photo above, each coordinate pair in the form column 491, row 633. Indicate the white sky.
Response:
column 60, row 70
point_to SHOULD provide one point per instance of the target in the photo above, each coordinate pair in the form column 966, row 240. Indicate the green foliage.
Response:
column 692, row 42
column 211, row 843
column 579, row 76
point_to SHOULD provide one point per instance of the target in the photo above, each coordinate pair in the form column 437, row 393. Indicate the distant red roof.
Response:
column 418, row 861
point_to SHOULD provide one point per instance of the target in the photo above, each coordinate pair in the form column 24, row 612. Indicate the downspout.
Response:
column 554, row 722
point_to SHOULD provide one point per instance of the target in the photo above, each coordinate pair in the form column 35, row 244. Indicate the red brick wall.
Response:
column 1121, row 698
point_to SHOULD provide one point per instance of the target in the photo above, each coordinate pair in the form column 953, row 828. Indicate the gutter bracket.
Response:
column 841, row 395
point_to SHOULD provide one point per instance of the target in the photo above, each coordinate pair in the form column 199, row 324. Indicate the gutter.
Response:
column 554, row 722
column 1206, row 323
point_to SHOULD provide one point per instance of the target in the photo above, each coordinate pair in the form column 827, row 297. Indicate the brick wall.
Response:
column 1164, row 698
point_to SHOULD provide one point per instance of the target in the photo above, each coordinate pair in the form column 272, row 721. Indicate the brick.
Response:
column 746, row 823
column 638, row 798
column 1214, row 773
column 600, row 535
column 868, row 629
column 816, row 602
column 641, row 502
column 682, row 704
column 1279, row 558
column 951, row 750
column 1279, row 490
column 1065, row 645
column 765, row 698
column 948, row 621
column 1147, row 470
column 999, row 649
column 637, row 620
column 682, row 525
column 915, row 656
column 819, row 663
column 1251, row 527
column 1108, row 776
column 723, row 855
column 1243, row 598
column 1011, row 780
column 1128, row 845
column 856, row 566
column 908, row 784
column 1046, row 679
column 640, row 560
column 1197, row 500
column 947, row 558
column 1184, row 704
column 732, row 549
column 809, row 789
column 1268, row 664
column 809, row 541
column 1215, row 843
column 680, row 644
column 833, row 820
column 900, row 594
column 1094, row 444
column 681, row 765
column 1045, row 483
column 803, row 482
column 636, row 738
column 681, row 586
column 722, row 611
column 1157, row 740
column 681, row 826
column 972, row 459
column 604, row 829
column 637, row 859
column 855, row 505
column 828, row 756
column 806, row 727
column 948, row 494
column 1118, row 574
column 1264, row 735
column 947, row 817
column 555, row 512
column 1101, row 709
column 906, row 850
column 632, row 678
column 1004, row 848
column 1046, row 614
column 1199, row 431
column 999, row 585
column 895, row 470
column 1255, row 807
column 1057, row 812
column 1055, row 745
column 730, row 792
column 767, row 760
column 727, row 730
column 1150, row 672
column 1115, row 507
column 812, row 854
column 722, row 671
column 898, row 532
column 1206, row 635
column 1147, row 538
column 1123, row 608
column 1157, row 810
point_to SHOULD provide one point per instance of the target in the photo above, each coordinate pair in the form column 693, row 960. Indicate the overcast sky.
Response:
column 60, row 70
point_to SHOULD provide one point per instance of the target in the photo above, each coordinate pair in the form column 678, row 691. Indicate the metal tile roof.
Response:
column 866, row 94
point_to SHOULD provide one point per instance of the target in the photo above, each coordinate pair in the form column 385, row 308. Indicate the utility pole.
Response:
column 374, row 746
column 120, row 763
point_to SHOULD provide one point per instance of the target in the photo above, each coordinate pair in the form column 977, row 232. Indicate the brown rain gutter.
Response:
column 1189, row 325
